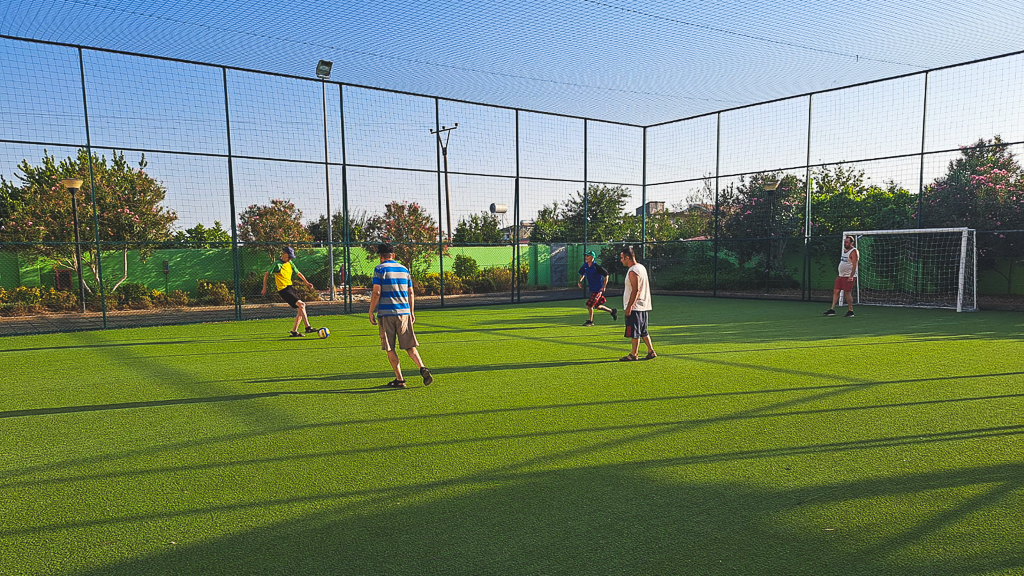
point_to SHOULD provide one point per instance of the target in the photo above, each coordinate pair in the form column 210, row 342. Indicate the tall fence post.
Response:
column 346, row 259
column 806, row 291
column 920, row 183
column 92, row 190
column 718, row 163
column 643, row 200
column 237, row 263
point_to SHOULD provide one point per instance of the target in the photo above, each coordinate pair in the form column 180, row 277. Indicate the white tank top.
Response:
column 643, row 289
column 845, row 266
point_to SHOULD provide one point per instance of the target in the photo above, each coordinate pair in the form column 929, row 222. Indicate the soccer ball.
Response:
column 323, row 332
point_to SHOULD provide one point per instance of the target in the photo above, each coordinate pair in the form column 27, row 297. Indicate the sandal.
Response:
column 628, row 358
column 396, row 383
column 651, row 355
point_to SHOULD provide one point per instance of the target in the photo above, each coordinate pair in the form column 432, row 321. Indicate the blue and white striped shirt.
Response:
column 395, row 283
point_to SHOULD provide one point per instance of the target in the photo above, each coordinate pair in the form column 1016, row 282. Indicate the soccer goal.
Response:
column 923, row 267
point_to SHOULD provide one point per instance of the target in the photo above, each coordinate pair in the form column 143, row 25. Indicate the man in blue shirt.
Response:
column 393, row 301
column 597, row 281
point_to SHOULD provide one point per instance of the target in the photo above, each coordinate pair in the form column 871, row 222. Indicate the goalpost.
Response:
column 922, row 267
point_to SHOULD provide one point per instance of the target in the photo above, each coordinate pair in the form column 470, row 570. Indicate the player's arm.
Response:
column 303, row 278
column 580, row 280
column 603, row 272
column 265, row 274
column 374, row 299
column 631, row 277
column 412, row 303
column 854, row 259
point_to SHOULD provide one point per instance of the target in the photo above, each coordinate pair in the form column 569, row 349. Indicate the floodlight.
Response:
column 323, row 69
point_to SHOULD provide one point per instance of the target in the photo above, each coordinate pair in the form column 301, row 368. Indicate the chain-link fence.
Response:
column 194, row 176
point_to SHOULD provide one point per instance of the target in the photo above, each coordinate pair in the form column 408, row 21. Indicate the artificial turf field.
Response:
column 765, row 440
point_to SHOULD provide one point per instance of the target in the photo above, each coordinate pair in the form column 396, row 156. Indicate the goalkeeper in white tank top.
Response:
column 848, row 260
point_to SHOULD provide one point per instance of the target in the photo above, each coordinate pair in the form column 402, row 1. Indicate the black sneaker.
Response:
column 615, row 314
column 310, row 329
column 849, row 314
column 830, row 312
column 588, row 323
column 396, row 383
column 295, row 334
column 428, row 378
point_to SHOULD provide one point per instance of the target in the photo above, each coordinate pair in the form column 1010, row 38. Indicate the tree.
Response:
column 200, row 236
column 408, row 227
column 357, row 228
column 984, row 189
column 600, row 213
column 125, row 201
column 268, row 227
column 478, row 229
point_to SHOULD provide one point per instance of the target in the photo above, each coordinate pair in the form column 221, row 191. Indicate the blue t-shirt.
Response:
column 395, row 282
column 595, row 274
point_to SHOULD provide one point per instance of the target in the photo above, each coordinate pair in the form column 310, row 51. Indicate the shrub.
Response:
column 60, row 301
column 213, row 293
column 175, row 299
column 430, row 284
column 306, row 294
column 360, row 280
column 135, row 296
column 465, row 266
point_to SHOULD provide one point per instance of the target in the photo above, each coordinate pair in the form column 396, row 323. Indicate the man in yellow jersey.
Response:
column 283, row 270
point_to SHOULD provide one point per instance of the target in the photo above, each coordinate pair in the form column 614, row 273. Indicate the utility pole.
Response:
column 444, row 152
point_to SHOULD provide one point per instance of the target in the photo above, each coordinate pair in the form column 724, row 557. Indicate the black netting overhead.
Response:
column 620, row 60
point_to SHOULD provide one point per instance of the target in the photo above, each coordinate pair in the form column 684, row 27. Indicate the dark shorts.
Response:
column 290, row 296
column 636, row 324
column 596, row 299
column 844, row 283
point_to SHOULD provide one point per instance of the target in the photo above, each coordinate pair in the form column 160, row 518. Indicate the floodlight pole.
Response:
column 73, row 185
column 323, row 72
column 444, row 152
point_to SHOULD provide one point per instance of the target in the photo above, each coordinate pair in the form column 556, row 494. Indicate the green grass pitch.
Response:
column 765, row 440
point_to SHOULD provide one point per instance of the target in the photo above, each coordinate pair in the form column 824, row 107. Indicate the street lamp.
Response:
column 323, row 72
column 770, row 186
column 444, row 152
column 73, row 185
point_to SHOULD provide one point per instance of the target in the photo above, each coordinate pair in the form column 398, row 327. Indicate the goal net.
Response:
column 925, row 267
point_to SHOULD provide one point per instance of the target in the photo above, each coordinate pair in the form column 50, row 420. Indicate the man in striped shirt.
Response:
column 393, row 302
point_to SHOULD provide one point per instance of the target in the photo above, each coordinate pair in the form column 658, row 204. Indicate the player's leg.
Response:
column 650, row 347
column 396, row 366
column 387, row 328
column 635, row 346
column 424, row 371
column 835, row 298
column 304, row 316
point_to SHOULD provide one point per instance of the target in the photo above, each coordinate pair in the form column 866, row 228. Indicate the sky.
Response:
column 622, row 65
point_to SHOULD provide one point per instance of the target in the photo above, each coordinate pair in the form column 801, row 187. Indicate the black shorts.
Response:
column 636, row 324
column 290, row 296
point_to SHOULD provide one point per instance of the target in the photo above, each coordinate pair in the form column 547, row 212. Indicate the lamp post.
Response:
column 323, row 72
column 770, row 186
column 73, row 185
column 444, row 152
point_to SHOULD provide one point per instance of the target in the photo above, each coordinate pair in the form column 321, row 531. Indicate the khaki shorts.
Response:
column 398, row 328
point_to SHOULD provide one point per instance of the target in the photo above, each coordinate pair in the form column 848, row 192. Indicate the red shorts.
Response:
column 596, row 299
column 844, row 283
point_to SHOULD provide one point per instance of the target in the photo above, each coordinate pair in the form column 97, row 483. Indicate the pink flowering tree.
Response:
column 983, row 188
column 753, row 211
column 409, row 228
column 123, row 199
column 270, row 227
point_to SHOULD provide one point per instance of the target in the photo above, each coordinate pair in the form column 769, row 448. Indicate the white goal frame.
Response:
column 967, row 273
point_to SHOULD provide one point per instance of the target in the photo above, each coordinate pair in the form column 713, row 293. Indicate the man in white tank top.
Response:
column 848, row 260
column 636, row 302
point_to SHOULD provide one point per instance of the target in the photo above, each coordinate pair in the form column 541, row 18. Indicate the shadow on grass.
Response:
column 637, row 518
